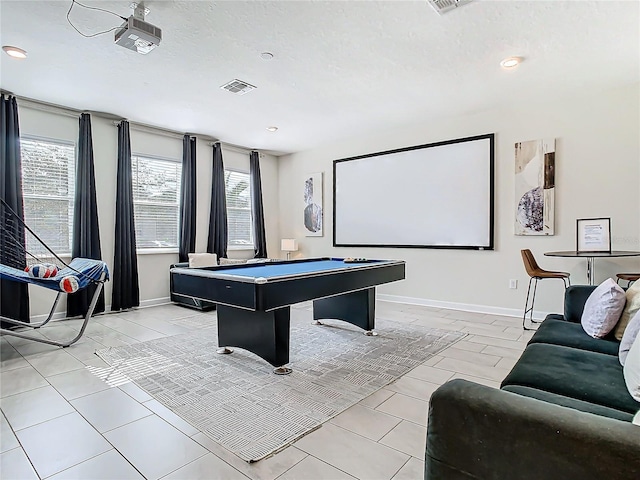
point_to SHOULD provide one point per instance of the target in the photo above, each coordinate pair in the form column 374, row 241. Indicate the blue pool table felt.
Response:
column 295, row 268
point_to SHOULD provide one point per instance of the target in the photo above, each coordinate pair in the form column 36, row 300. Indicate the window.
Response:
column 156, row 201
column 48, row 181
column 238, row 193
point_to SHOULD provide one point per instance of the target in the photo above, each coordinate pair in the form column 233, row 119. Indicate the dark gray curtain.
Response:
column 86, row 234
column 126, row 292
column 259, row 237
column 188, row 199
column 14, row 296
column 218, row 233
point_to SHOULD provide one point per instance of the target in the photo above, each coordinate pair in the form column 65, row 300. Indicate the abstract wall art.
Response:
column 312, row 196
column 535, row 187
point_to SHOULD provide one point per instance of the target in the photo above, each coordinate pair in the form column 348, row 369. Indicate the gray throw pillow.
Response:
column 630, row 334
column 232, row 261
column 603, row 308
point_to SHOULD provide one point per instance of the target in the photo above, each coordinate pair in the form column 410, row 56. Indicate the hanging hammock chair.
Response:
column 25, row 258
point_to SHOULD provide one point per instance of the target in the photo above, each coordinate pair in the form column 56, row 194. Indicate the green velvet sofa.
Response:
column 563, row 412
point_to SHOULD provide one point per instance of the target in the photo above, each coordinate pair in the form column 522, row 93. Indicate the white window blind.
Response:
column 156, row 201
column 238, row 194
column 48, row 182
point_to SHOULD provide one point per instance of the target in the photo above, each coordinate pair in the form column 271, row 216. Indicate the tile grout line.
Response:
column 419, row 315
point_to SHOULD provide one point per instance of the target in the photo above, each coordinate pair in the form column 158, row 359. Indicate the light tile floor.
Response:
column 60, row 420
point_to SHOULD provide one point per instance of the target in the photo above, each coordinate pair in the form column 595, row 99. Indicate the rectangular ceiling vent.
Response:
column 238, row 87
column 444, row 6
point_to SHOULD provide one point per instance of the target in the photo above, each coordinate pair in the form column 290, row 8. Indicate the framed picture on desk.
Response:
column 593, row 235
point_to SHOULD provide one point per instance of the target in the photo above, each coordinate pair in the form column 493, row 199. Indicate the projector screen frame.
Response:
column 491, row 214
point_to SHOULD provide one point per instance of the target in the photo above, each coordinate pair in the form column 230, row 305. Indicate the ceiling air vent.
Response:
column 444, row 6
column 238, row 87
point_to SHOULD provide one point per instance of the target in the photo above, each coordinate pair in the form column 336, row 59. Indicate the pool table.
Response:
column 253, row 300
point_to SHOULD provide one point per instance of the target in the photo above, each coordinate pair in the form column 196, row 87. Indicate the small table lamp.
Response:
column 289, row 245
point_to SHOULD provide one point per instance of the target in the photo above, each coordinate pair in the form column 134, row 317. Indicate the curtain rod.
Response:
column 72, row 112
column 48, row 107
column 149, row 129
column 173, row 134
column 234, row 148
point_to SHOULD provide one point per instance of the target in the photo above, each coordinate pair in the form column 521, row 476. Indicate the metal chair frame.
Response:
column 92, row 306
column 529, row 309
column 628, row 277
column 8, row 217
column 534, row 271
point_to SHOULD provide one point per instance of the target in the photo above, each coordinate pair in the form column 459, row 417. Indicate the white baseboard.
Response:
column 143, row 304
column 56, row 316
column 467, row 307
column 153, row 302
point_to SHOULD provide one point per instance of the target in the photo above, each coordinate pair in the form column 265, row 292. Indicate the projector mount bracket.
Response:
column 139, row 10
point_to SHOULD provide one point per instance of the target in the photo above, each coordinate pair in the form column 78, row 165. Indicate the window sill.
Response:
column 241, row 247
column 153, row 251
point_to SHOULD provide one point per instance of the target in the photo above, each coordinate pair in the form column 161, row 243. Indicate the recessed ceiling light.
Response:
column 272, row 129
column 14, row 52
column 266, row 55
column 511, row 62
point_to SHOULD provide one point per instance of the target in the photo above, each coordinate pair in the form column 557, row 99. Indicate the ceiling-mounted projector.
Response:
column 138, row 35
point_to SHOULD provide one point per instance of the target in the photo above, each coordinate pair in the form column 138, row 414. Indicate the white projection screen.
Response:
column 428, row 196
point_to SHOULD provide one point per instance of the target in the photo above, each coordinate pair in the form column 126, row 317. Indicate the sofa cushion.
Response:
column 603, row 308
column 630, row 334
column 569, row 402
column 480, row 432
column 575, row 297
column 630, row 309
column 559, row 332
column 632, row 370
column 588, row 376
column 555, row 316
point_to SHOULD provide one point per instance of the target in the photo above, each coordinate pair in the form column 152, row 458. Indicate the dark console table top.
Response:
column 573, row 253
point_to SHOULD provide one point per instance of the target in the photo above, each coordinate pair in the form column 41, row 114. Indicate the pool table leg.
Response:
column 357, row 308
column 264, row 333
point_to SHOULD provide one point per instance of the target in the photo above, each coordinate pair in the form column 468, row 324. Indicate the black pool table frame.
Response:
column 254, row 313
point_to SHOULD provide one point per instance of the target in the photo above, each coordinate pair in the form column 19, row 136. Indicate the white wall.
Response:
column 597, row 173
column 153, row 269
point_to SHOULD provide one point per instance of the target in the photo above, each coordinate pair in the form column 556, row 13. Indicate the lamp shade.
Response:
column 289, row 245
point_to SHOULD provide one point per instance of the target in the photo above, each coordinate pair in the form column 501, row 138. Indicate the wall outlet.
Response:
column 513, row 283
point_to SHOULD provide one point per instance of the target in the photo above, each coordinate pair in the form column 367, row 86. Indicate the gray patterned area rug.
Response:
column 236, row 399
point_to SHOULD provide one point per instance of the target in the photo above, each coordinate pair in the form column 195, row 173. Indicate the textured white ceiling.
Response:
column 339, row 68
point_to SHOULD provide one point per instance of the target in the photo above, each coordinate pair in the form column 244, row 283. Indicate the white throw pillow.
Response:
column 201, row 260
column 630, row 335
column 632, row 370
column 631, row 307
column 603, row 308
